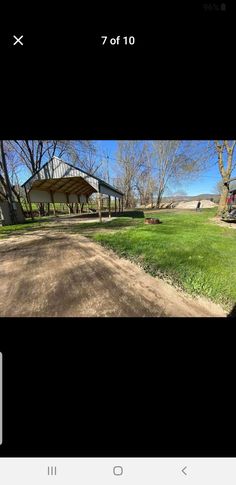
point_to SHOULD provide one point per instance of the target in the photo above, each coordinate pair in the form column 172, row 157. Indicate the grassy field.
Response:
column 187, row 249
column 29, row 225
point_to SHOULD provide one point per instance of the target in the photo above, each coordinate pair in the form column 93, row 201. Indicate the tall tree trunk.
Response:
column 128, row 198
column 151, row 198
column 41, row 209
column 159, row 197
column 70, row 208
column 225, row 172
column 223, row 200
column 8, row 187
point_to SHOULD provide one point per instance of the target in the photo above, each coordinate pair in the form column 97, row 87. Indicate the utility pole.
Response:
column 8, row 185
column 108, row 175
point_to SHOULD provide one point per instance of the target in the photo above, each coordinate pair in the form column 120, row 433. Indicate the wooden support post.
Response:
column 115, row 205
column 79, row 204
column 122, row 204
column 53, row 203
column 29, row 202
column 119, row 205
column 67, row 199
column 100, row 207
column 109, row 205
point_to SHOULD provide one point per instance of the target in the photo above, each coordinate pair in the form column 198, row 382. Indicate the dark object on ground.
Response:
column 229, row 219
column 232, row 313
column 28, row 214
column 233, row 212
column 105, row 213
column 151, row 220
column 198, row 205
column 230, row 216
column 131, row 213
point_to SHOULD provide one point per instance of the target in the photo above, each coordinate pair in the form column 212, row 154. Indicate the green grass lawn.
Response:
column 188, row 248
column 29, row 225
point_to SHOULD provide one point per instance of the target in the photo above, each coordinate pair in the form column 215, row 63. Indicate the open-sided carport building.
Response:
column 59, row 181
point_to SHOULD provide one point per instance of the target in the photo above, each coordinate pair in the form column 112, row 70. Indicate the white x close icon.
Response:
column 18, row 40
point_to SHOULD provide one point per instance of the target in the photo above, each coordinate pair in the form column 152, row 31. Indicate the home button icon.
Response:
column 118, row 471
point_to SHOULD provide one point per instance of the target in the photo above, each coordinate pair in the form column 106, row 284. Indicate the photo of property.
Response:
column 117, row 228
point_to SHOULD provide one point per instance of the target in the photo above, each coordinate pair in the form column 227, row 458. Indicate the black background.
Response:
column 177, row 80
column 150, row 387
column 83, row 387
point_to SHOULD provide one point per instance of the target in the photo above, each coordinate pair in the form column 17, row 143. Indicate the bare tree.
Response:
column 164, row 153
column 84, row 157
column 5, row 185
column 175, row 161
column 225, row 150
column 146, row 186
column 34, row 153
column 106, row 161
column 11, row 166
column 150, row 167
column 218, row 187
column 132, row 160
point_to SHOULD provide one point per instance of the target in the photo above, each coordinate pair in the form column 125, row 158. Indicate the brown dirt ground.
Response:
column 60, row 274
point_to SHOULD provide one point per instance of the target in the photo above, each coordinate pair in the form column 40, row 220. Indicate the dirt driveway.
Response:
column 57, row 274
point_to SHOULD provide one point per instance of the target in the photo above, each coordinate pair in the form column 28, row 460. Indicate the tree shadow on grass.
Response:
column 80, row 228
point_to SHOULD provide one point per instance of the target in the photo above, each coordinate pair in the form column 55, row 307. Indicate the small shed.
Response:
column 5, row 213
column 60, row 181
column 10, row 214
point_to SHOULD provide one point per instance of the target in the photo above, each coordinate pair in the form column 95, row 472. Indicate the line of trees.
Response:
column 146, row 169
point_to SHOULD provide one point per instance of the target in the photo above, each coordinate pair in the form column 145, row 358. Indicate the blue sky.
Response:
column 204, row 183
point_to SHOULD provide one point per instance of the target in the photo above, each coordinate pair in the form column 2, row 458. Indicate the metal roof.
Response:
column 62, row 174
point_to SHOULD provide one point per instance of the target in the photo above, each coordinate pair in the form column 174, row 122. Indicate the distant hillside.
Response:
column 215, row 197
column 186, row 201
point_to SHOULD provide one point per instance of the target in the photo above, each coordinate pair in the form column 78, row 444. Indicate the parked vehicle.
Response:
column 230, row 215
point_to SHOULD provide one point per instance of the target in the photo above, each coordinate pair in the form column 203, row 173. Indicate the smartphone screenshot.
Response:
column 117, row 244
